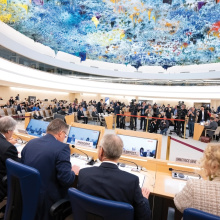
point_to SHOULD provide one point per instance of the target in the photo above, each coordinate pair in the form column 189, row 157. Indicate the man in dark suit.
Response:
column 81, row 115
column 62, row 111
column 143, row 110
column 117, row 111
column 100, row 107
column 109, row 182
column 51, row 158
column 202, row 115
column 7, row 149
column 19, row 108
column 11, row 101
column 71, row 109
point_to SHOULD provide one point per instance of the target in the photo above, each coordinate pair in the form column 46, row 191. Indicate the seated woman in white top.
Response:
column 203, row 194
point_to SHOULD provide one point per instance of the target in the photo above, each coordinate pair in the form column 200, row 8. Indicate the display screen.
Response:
column 137, row 146
column 37, row 128
column 81, row 137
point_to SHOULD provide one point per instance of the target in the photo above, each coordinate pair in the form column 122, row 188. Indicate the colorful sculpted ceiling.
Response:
column 137, row 32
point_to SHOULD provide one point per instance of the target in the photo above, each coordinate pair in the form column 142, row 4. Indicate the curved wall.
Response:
column 12, row 74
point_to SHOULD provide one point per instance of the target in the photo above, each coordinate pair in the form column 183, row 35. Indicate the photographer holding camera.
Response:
column 134, row 108
column 192, row 117
column 181, row 113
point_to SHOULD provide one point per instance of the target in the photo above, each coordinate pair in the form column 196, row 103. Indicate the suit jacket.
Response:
column 99, row 107
column 7, row 150
column 95, row 114
column 200, row 116
column 109, row 182
column 70, row 110
column 117, row 110
column 143, row 110
column 200, row 194
column 52, row 159
column 18, row 108
column 80, row 114
column 61, row 112
column 213, row 126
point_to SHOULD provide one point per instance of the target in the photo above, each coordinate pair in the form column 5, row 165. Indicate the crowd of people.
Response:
column 51, row 157
column 160, row 117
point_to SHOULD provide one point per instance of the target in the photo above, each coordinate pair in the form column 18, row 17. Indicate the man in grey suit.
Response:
column 212, row 126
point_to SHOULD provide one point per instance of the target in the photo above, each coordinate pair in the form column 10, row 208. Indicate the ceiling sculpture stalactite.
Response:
column 137, row 32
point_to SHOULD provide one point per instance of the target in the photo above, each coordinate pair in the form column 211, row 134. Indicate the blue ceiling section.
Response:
column 138, row 32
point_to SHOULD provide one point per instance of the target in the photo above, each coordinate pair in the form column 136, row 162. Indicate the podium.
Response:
column 198, row 129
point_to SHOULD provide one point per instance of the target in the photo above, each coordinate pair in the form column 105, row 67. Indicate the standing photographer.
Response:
column 143, row 108
column 133, row 109
column 192, row 117
column 182, row 115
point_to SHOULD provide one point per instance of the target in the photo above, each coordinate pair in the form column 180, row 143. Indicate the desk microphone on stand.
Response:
column 137, row 169
column 90, row 162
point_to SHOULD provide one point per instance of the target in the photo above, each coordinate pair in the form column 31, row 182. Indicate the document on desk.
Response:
column 79, row 162
column 19, row 148
column 139, row 175
column 173, row 186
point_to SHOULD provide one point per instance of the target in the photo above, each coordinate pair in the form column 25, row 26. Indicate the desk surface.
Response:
column 157, row 175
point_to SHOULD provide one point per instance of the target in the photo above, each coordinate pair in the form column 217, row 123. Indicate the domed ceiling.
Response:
column 137, row 32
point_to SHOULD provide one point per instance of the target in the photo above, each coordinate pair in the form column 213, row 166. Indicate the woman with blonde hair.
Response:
column 203, row 194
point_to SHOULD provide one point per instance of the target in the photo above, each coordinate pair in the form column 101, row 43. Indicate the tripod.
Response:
column 178, row 128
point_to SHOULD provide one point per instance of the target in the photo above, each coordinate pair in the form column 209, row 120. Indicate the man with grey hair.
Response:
column 109, row 182
column 7, row 149
column 51, row 157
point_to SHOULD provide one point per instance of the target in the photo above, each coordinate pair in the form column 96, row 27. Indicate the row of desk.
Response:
column 158, row 176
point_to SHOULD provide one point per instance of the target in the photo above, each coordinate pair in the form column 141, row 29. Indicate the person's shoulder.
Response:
column 88, row 170
column 199, row 183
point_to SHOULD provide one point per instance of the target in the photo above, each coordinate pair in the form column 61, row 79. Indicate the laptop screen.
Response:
column 37, row 128
column 137, row 146
column 81, row 137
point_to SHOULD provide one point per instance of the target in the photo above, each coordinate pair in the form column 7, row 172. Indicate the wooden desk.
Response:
column 27, row 119
column 25, row 137
column 198, row 129
column 109, row 121
column 166, row 186
column 158, row 176
column 69, row 119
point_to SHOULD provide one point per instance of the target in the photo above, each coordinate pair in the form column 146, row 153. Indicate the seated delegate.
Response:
column 7, row 149
column 51, row 158
column 203, row 194
column 109, row 182
column 81, row 115
column 212, row 126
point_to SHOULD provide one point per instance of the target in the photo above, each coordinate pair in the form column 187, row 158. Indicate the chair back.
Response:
column 9, row 111
column 87, row 207
column 47, row 113
column 2, row 112
column 195, row 214
column 23, row 191
column 217, row 131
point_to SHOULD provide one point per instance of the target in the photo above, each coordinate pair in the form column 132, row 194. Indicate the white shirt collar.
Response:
column 3, row 135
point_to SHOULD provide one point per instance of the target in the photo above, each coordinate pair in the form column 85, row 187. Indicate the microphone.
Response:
column 137, row 169
column 90, row 162
column 21, row 140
